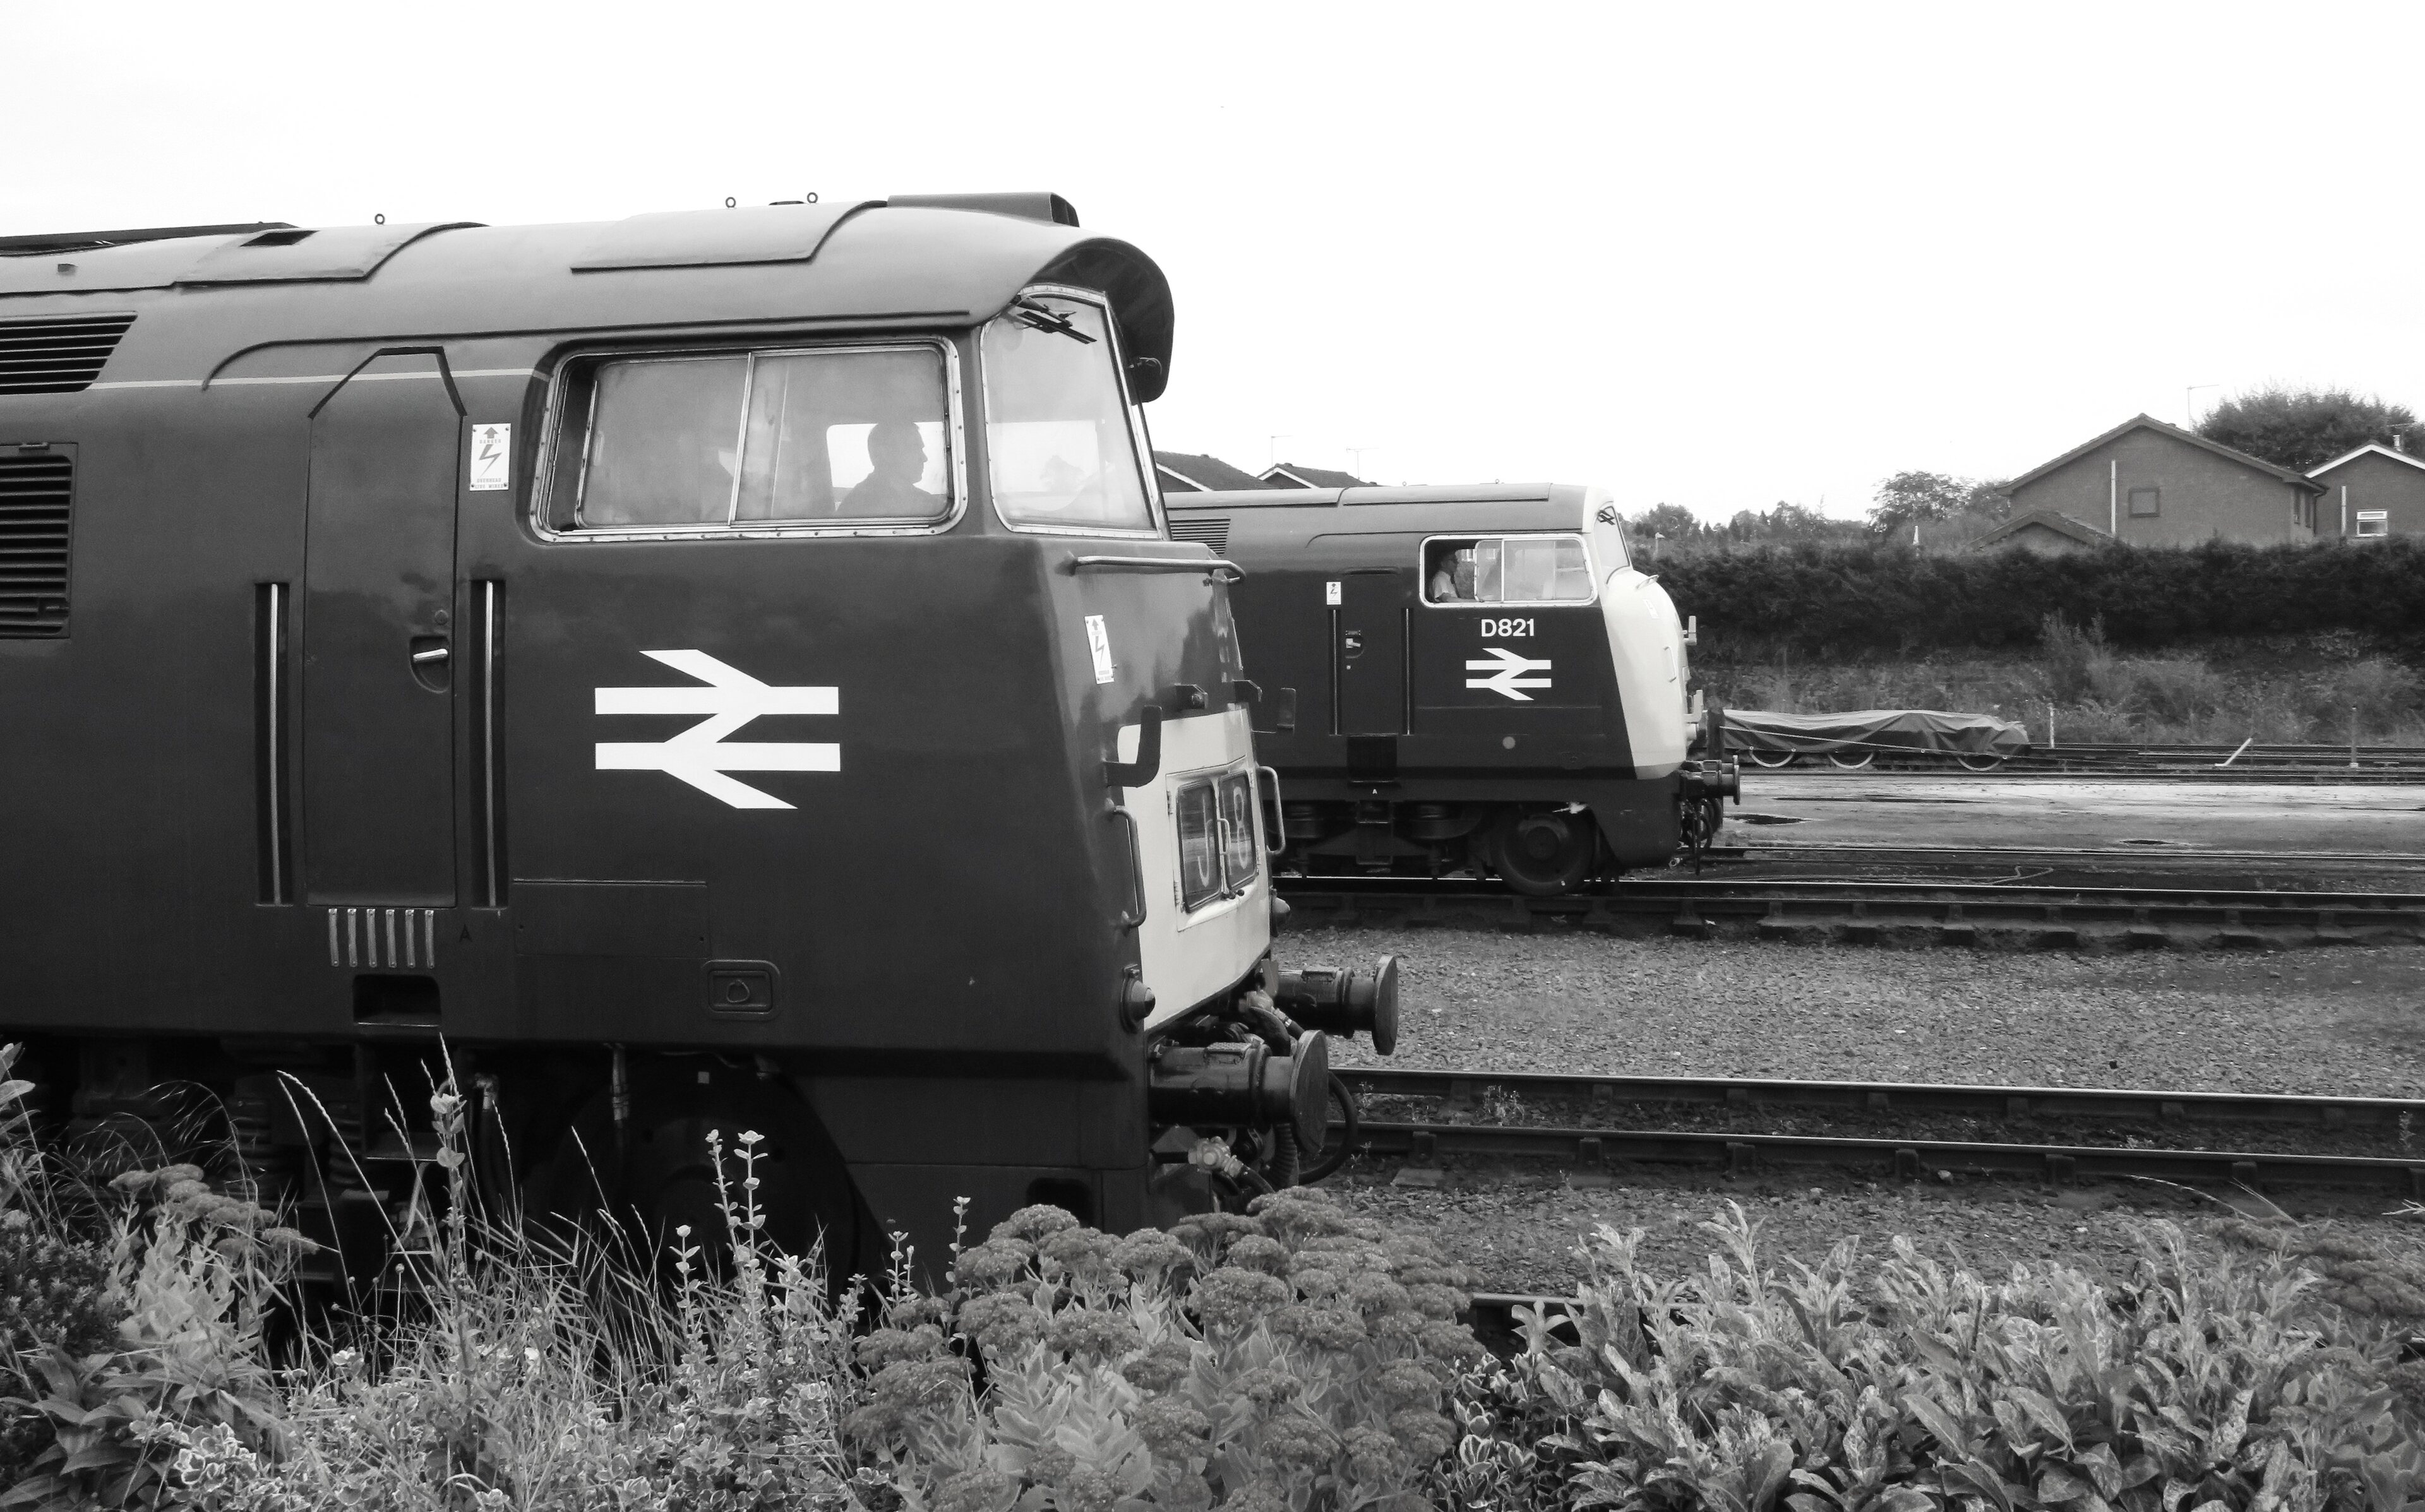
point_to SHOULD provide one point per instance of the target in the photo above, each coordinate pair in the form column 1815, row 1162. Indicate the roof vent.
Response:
column 60, row 353
column 1212, row 529
column 34, row 491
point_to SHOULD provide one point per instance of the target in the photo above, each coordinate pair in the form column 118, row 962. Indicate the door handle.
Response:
column 432, row 662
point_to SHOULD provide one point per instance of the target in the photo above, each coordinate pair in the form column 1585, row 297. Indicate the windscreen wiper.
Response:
column 1045, row 318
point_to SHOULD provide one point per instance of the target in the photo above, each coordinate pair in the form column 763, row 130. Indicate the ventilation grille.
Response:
column 34, row 494
column 58, row 356
column 1212, row 529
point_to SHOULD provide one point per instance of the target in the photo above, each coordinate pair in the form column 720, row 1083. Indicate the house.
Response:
column 2373, row 491
column 2144, row 483
column 1184, row 472
column 1290, row 475
column 2044, row 531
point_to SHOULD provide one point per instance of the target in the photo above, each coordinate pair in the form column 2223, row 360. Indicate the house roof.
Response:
column 2080, row 531
column 2371, row 446
column 2150, row 422
column 1290, row 475
column 1205, row 475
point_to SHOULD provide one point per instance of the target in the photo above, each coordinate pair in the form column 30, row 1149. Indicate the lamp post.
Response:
column 2188, row 403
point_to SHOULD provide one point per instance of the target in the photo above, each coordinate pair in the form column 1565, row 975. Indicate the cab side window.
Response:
column 725, row 441
column 1508, row 569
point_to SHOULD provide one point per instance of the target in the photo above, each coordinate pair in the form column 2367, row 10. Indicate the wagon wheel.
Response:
column 1980, row 763
column 1544, row 854
column 1851, row 763
column 1771, row 758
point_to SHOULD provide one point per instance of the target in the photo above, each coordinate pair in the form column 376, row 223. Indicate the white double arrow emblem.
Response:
column 1507, row 671
column 699, row 756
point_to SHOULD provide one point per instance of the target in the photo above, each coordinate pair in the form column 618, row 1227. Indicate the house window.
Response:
column 2143, row 503
column 2374, row 522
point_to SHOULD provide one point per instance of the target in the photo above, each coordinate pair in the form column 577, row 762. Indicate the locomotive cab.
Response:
column 1463, row 678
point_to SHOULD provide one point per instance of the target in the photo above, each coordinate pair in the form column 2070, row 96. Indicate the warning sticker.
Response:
column 1331, row 593
column 1098, row 641
column 492, row 456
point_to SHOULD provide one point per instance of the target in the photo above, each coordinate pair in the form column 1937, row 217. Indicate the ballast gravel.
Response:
column 2340, row 1020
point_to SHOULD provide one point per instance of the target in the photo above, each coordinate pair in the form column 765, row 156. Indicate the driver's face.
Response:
column 901, row 453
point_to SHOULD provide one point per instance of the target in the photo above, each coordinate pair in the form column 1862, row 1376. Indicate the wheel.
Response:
column 1851, row 763
column 1980, row 763
column 1771, row 758
column 664, row 1177
column 1545, row 853
column 1338, row 1137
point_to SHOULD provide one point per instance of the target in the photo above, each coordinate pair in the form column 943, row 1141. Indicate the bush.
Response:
column 1837, row 600
column 1291, row 1357
column 2203, row 1386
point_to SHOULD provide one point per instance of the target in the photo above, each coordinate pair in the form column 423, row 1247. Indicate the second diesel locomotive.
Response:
column 1463, row 679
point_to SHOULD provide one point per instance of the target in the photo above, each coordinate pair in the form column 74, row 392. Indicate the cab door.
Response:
column 377, row 724
column 1368, row 648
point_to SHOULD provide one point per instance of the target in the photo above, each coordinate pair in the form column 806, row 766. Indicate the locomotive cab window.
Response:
column 1507, row 569
column 836, row 438
column 1059, row 442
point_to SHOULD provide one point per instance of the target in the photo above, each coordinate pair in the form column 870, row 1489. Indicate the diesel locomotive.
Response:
column 717, row 670
column 1472, row 678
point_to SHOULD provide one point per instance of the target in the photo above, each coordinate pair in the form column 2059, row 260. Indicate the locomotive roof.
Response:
column 1484, row 493
column 202, row 299
column 1436, row 507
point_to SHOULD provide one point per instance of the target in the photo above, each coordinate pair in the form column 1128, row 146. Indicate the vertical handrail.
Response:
column 495, row 887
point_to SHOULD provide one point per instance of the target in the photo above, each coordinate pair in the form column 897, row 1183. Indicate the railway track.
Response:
column 1596, row 1145
column 1990, row 914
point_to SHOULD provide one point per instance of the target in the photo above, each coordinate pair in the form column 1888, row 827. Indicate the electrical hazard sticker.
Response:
column 1098, row 641
column 492, row 456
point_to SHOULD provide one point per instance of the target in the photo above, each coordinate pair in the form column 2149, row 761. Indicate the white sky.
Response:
column 1716, row 256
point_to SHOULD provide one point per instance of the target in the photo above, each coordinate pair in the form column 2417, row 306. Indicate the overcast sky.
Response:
column 1716, row 256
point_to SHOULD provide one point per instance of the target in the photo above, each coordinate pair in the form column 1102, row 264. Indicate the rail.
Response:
column 1867, row 911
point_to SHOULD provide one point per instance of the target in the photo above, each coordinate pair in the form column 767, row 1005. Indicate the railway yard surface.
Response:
column 2336, row 1021
column 1827, row 808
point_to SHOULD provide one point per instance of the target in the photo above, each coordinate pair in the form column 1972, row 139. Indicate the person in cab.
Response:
column 896, row 455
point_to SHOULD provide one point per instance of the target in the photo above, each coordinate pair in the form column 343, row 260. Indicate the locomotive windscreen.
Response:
column 1057, row 434
column 800, row 437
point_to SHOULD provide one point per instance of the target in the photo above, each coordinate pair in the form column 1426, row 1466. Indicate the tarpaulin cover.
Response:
column 1875, row 729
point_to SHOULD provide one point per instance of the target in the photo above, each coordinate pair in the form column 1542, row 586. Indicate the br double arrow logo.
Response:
column 700, row 756
column 1507, row 672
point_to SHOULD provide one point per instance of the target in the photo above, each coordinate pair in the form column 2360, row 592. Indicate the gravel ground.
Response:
column 1521, row 1228
column 2339, row 1020
column 2342, row 1020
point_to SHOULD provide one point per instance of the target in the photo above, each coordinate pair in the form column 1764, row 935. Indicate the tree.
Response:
column 2302, row 428
column 1910, row 498
column 1673, row 521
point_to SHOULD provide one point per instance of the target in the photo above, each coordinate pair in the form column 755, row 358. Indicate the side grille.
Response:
column 59, row 355
column 34, row 495
column 1212, row 529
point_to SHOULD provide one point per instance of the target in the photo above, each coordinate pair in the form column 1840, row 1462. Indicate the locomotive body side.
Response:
column 348, row 742
column 1438, row 722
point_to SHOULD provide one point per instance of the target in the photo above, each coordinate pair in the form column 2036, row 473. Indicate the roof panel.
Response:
column 713, row 238
column 333, row 254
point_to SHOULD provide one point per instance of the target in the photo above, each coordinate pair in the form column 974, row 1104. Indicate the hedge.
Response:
column 1837, row 600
